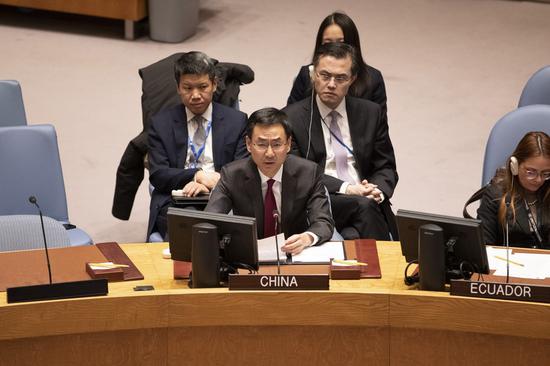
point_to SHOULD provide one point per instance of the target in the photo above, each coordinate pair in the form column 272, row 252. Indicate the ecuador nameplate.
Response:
column 501, row 290
column 278, row 282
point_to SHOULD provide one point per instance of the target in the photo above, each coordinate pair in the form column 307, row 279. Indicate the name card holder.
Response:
column 501, row 290
column 298, row 282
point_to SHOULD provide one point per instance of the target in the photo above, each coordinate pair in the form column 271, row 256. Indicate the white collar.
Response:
column 207, row 115
column 278, row 177
column 324, row 110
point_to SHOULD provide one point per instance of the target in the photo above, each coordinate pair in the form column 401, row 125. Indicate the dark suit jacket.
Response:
column 372, row 147
column 519, row 233
column 303, row 197
column 375, row 90
column 168, row 145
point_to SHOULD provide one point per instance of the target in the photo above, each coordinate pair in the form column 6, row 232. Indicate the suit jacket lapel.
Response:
column 357, row 128
column 288, row 189
column 218, row 137
column 317, row 151
column 253, row 185
column 179, row 127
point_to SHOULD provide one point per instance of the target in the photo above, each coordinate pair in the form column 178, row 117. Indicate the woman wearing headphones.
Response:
column 338, row 27
column 520, row 196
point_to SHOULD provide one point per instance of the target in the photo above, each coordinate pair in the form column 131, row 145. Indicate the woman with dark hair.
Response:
column 338, row 27
column 519, row 195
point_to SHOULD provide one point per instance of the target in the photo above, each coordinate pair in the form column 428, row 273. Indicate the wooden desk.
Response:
column 355, row 323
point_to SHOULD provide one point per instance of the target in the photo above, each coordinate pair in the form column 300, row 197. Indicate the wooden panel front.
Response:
column 116, row 9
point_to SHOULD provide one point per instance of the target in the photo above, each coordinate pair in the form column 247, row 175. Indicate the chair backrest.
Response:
column 507, row 133
column 537, row 89
column 22, row 232
column 30, row 166
column 12, row 110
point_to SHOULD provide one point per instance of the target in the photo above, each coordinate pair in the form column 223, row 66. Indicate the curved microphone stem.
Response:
column 32, row 200
column 507, row 239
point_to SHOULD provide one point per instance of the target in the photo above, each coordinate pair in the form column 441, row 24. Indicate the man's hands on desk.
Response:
column 203, row 183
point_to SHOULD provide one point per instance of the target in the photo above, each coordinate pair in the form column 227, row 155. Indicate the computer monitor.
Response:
column 469, row 246
column 238, row 234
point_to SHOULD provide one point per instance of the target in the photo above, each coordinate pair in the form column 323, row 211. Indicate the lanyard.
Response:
column 337, row 138
column 197, row 154
column 532, row 223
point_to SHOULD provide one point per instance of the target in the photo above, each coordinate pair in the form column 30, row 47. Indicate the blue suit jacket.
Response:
column 168, row 146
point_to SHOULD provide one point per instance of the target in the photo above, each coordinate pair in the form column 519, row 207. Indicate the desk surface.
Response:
column 382, row 311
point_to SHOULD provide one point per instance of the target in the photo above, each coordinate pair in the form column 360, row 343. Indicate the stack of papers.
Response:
column 522, row 265
column 323, row 253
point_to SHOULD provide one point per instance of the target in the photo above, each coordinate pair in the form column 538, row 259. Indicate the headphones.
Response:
column 514, row 165
column 312, row 80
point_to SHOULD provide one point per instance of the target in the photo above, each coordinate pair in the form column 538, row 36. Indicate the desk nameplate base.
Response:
column 501, row 290
column 278, row 282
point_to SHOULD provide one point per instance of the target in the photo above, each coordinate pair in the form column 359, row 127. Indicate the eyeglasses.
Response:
column 276, row 146
column 338, row 79
column 534, row 174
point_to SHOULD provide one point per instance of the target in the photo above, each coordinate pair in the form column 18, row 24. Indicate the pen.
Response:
column 509, row 261
column 349, row 262
column 109, row 266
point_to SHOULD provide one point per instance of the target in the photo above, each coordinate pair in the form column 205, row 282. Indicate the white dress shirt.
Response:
column 206, row 158
column 330, row 164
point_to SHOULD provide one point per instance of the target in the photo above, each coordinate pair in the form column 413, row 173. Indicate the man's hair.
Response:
column 194, row 63
column 338, row 50
column 267, row 117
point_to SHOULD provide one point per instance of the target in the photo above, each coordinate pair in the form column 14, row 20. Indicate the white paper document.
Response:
column 267, row 249
column 316, row 254
column 521, row 265
column 321, row 253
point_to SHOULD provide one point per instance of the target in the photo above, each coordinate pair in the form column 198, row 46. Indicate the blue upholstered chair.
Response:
column 537, row 89
column 22, row 232
column 12, row 110
column 507, row 132
column 30, row 166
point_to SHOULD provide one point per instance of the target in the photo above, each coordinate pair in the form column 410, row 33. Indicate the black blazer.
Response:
column 168, row 145
column 375, row 91
column 371, row 144
column 303, row 198
column 519, row 233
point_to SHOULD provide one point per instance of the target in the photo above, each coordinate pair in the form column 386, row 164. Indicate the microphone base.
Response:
column 61, row 290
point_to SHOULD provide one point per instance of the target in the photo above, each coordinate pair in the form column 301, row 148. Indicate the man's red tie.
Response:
column 269, row 206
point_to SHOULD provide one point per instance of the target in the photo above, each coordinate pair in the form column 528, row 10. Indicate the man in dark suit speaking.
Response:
column 272, row 181
column 350, row 142
column 189, row 143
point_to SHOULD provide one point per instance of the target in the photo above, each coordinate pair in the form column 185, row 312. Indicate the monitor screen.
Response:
column 469, row 244
column 241, row 248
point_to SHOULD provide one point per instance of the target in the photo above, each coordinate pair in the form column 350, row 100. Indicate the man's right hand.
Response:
column 359, row 190
column 193, row 189
column 209, row 180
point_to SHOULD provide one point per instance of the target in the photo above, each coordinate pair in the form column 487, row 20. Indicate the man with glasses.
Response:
column 271, row 183
column 189, row 143
column 349, row 140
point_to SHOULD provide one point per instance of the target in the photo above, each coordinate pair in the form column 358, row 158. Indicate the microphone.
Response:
column 507, row 236
column 32, row 199
column 276, row 217
column 59, row 290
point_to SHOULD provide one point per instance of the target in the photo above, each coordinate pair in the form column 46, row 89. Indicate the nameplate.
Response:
column 278, row 282
column 501, row 290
